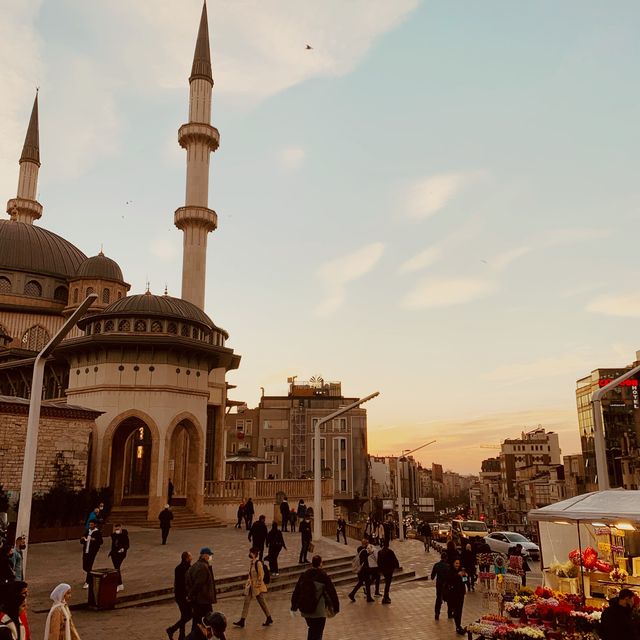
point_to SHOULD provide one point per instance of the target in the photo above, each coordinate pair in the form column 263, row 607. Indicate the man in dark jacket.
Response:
column 323, row 595
column 165, row 517
column 180, row 595
column 616, row 622
column 275, row 544
column 364, row 572
column 248, row 513
column 119, row 548
column 258, row 535
column 201, row 586
column 305, row 538
column 440, row 572
column 91, row 542
column 341, row 529
column 285, row 512
column 387, row 564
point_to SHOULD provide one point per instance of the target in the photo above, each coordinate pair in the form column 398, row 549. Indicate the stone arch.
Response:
column 115, row 448
column 5, row 285
column 184, row 445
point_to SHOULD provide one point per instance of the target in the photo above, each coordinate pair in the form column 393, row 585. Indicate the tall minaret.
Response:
column 24, row 207
column 199, row 138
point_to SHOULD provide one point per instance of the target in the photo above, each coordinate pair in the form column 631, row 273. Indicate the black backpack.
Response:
column 267, row 573
column 308, row 599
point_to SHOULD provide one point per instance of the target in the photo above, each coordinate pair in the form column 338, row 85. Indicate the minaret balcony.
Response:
column 197, row 217
column 21, row 207
column 198, row 132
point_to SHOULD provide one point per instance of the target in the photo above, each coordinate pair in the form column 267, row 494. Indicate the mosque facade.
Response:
column 143, row 375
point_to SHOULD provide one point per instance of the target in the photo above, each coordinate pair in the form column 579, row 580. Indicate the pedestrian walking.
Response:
column 258, row 534
column 240, row 515
column 249, row 511
column 374, row 572
column 379, row 533
column 341, row 528
column 7, row 573
column 316, row 598
column 387, row 564
column 213, row 625
column 59, row 624
column 119, row 548
column 170, row 489
column 425, row 532
column 255, row 588
column 617, row 621
column 165, row 517
column 91, row 542
column 275, row 544
column 17, row 558
column 456, row 589
column 180, row 596
column 201, row 586
column 368, row 530
column 440, row 573
column 452, row 552
column 388, row 525
column 92, row 517
column 363, row 572
column 293, row 519
column 469, row 560
column 285, row 513
column 13, row 612
column 305, row 539
column 301, row 511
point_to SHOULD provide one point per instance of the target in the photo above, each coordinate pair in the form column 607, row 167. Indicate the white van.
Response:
column 463, row 531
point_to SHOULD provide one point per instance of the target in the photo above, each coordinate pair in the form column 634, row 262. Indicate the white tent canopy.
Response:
column 608, row 507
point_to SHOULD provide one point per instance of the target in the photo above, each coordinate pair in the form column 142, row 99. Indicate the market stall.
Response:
column 590, row 544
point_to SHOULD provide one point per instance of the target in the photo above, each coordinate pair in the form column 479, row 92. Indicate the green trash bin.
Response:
column 103, row 586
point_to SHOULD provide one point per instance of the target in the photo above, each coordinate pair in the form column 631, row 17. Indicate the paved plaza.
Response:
column 150, row 566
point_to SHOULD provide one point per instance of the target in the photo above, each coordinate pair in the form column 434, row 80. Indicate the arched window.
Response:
column 61, row 294
column 108, row 326
column 5, row 285
column 106, row 295
column 194, row 333
column 97, row 327
column 33, row 289
column 89, row 291
column 124, row 325
column 172, row 328
column 119, row 295
column 184, row 331
column 156, row 326
column 75, row 295
column 35, row 338
column 140, row 325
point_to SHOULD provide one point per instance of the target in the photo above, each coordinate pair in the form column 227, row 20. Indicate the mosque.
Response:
column 145, row 374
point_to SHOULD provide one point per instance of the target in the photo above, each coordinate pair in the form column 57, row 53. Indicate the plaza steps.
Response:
column 338, row 568
column 182, row 519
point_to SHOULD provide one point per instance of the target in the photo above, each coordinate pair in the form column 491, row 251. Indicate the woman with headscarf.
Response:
column 59, row 625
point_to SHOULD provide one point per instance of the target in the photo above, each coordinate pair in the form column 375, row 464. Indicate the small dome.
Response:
column 26, row 247
column 100, row 267
column 148, row 305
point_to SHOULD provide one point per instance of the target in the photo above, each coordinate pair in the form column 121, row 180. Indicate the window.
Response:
column 343, row 444
column 75, row 295
column 108, row 326
column 5, row 285
column 140, row 325
column 343, row 485
column 342, row 424
column 233, row 447
column 89, row 291
column 106, row 296
column 61, row 294
column 124, row 325
column 156, row 326
column 97, row 328
column 184, row 331
column 35, row 338
column 33, row 289
column 172, row 328
column 343, row 465
column 249, row 427
column 240, row 425
column 119, row 295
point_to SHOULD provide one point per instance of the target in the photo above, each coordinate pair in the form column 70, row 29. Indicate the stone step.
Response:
column 182, row 519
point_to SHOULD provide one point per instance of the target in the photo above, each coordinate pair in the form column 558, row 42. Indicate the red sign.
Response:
column 603, row 382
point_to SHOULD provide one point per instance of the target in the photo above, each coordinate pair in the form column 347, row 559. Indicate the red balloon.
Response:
column 605, row 567
column 575, row 557
column 589, row 557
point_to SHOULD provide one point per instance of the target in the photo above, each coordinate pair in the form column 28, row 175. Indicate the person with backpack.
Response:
column 361, row 563
column 275, row 544
column 316, row 598
column 255, row 587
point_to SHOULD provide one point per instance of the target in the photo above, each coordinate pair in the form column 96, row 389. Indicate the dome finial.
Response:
column 166, row 289
column 201, row 67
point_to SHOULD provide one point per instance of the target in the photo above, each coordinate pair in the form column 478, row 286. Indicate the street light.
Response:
column 317, row 471
column 598, row 428
column 33, row 424
column 405, row 452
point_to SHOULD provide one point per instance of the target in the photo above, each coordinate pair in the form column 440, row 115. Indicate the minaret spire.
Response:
column 24, row 207
column 200, row 139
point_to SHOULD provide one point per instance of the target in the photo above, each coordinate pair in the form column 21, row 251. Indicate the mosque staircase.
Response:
column 182, row 518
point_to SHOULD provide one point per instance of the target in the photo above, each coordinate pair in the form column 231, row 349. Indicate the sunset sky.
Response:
column 438, row 201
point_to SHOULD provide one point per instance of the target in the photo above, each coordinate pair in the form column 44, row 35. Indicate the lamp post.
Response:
column 33, row 423
column 598, row 427
column 401, row 459
column 317, row 471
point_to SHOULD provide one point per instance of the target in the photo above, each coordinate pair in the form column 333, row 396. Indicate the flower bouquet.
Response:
column 618, row 575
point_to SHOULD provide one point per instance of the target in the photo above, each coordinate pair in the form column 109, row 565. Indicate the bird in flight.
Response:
column 308, row 47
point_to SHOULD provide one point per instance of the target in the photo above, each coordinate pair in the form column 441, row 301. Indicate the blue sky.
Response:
column 438, row 201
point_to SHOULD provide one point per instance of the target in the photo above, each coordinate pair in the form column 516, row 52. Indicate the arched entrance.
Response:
column 131, row 462
column 184, row 467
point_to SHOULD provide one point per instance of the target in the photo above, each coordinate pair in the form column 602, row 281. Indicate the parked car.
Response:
column 462, row 531
column 502, row 541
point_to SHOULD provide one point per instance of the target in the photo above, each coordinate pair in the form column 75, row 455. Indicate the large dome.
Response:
column 100, row 267
column 147, row 304
column 26, row 247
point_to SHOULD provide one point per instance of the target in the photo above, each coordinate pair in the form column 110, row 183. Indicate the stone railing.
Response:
column 266, row 489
